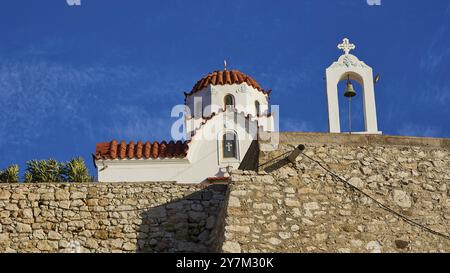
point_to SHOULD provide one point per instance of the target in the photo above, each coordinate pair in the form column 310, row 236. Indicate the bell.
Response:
column 349, row 90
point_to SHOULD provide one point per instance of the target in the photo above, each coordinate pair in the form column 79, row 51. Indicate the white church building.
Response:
column 225, row 114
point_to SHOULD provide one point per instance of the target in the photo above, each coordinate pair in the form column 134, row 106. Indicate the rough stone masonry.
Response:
column 280, row 207
column 299, row 207
column 107, row 217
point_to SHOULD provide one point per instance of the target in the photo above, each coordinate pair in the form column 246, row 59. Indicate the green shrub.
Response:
column 44, row 171
column 10, row 174
column 76, row 171
column 52, row 171
column 28, row 177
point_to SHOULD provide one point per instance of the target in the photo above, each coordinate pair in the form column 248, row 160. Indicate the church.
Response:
column 225, row 114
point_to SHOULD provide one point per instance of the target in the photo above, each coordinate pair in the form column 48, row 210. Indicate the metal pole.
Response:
column 350, row 114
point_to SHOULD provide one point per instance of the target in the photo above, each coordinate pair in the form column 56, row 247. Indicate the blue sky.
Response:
column 73, row 76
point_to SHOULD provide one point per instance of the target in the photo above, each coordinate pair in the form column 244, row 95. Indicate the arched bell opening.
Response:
column 351, row 103
column 353, row 77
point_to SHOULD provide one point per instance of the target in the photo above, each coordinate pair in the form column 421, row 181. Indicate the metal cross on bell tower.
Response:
column 346, row 46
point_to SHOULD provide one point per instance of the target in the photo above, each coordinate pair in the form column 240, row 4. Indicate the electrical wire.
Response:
column 399, row 215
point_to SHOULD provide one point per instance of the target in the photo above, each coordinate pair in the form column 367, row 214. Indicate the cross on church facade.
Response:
column 229, row 146
column 346, row 46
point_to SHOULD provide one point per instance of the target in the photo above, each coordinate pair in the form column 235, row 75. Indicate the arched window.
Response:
column 229, row 145
column 229, row 101
column 258, row 108
column 198, row 107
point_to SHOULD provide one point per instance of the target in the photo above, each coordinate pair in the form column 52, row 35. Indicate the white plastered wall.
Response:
column 213, row 96
column 204, row 156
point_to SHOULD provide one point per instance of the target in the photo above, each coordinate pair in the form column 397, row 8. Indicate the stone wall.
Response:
column 103, row 217
column 286, row 207
column 281, row 207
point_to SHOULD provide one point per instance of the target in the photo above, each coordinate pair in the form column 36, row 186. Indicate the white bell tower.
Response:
column 350, row 67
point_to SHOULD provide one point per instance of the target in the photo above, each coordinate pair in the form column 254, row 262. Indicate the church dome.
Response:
column 223, row 77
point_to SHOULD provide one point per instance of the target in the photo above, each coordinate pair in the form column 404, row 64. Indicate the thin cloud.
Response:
column 434, row 66
column 290, row 125
column 136, row 123
column 34, row 94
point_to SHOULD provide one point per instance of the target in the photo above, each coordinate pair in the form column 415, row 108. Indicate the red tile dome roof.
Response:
column 223, row 77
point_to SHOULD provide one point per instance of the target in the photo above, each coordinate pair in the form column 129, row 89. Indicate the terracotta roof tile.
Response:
column 122, row 149
column 139, row 148
column 223, row 77
column 155, row 150
column 218, row 179
column 214, row 79
column 170, row 149
column 227, row 77
column 114, row 150
column 130, row 150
